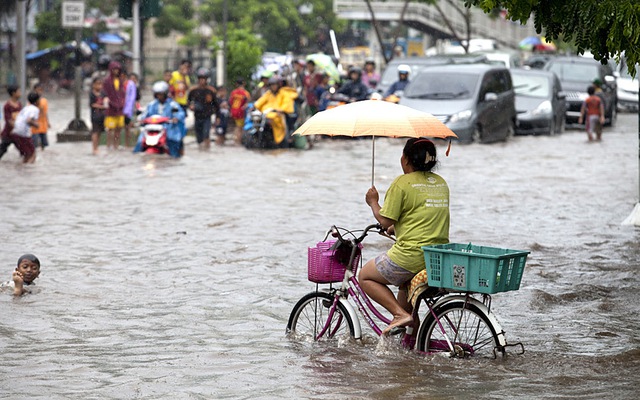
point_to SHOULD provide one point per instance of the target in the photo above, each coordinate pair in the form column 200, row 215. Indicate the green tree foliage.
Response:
column 605, row 27
column 279, row 22
column 244, row 52
column 177, row 15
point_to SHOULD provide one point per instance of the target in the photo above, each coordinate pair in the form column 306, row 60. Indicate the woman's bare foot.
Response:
column 398, row 322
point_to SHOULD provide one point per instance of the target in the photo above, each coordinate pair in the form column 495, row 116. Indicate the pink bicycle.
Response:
column 458, row 318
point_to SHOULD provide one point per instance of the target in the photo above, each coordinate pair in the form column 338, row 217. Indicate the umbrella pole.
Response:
column 373, row 158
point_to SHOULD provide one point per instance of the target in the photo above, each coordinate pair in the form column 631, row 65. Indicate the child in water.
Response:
column 25, row 273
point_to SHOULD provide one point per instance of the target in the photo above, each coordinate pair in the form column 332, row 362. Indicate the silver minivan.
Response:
column 476, row 101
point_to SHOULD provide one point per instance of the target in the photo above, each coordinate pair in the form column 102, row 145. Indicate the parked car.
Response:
column 627, row 88
column 390, row 74
column 508, row 59
column 576, row 74
column 476, row 101
column 540, row 103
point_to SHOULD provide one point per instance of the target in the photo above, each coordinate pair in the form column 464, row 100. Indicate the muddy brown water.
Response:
column 175, row 279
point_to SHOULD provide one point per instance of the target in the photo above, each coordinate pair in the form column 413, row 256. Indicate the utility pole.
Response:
column 21, row 76
column 135, row 11
column 73, row 17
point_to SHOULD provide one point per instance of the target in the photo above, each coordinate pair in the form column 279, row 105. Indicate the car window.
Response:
column 575, row 71
column 494, row 82
column 442, row 86
column 531, row 86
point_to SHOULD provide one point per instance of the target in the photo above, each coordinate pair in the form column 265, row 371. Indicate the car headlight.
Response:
column 461, row 116
column 544, row 108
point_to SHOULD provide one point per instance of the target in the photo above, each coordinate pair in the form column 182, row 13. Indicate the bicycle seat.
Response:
column 419, row 288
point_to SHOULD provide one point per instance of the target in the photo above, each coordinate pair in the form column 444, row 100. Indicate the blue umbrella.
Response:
column 529, row 42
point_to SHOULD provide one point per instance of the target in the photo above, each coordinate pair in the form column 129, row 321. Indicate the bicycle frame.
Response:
column 350, row 287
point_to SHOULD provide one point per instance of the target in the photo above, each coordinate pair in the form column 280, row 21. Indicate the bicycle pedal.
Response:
column 396, row 330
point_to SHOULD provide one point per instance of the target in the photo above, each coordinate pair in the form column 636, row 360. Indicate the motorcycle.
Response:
column 258, row 131
column 154, row 135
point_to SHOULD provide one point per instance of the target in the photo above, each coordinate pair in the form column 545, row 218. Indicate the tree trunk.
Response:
column 377, row 30
column 397, row 30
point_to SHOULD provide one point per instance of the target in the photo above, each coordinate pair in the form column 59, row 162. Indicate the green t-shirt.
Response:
column 419, row 203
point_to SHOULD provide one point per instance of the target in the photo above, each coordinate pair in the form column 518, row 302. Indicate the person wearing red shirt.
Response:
column 238, row 101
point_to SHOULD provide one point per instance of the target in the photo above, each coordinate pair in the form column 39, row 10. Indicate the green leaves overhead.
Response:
column 607, row 28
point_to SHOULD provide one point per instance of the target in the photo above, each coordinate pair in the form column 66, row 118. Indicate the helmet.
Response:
column 355, row 70
column 160, row 87
column 273, row 80
column 404, row 69
column 202, row 73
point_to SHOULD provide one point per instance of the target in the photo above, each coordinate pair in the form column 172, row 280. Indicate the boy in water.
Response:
column 26, row 272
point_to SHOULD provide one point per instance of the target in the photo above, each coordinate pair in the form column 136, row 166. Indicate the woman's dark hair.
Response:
column 421, row 154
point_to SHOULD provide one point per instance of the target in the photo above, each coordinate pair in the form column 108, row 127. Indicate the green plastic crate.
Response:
column 471, row 268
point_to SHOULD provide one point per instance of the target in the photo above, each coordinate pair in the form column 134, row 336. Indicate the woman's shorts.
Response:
column 392, row 272
column 114, row 122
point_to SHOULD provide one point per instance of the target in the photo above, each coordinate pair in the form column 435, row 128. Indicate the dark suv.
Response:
column 576, row 74
column 476, row 101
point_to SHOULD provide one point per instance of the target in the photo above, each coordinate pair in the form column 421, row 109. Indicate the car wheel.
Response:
column 563, row 125
column 511, row 130
column 552, row 126
column 613, row 116
column 477, row 134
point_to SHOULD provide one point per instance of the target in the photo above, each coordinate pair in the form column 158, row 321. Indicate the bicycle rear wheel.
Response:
column 311, row 315
column 466, row 327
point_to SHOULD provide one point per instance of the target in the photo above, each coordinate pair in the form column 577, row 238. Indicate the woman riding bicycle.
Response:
column 416, row 209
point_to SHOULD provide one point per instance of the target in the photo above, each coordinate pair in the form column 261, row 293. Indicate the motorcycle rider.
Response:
column 167, row 107
column 279, row 101
column 354, row 88
column 403, row 80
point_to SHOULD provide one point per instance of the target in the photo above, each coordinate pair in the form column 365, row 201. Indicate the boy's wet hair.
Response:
column 591, row 90
column 33, row 97
column 96, row 79
column 11, row 89
column 29, row 257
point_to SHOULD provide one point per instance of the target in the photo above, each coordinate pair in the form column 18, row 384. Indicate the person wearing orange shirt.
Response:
column 593, row 112
column 39, row 133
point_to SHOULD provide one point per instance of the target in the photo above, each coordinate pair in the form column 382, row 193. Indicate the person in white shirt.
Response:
column 21, row 135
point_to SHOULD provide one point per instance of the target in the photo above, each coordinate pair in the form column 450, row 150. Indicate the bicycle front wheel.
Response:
column 312, row 316
column 461, row 325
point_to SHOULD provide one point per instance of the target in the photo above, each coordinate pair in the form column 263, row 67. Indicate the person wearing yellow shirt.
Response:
column 277, row 102
column 416, row 209
column 180, row 84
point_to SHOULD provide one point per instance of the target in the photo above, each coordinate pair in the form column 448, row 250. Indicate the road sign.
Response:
column 72, row 14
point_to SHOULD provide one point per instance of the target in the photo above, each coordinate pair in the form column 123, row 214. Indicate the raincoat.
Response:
column 282, row 100
column 115, row 90
column 170, row 109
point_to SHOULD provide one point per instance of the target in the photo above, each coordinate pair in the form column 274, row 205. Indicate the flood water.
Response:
column 175, row 279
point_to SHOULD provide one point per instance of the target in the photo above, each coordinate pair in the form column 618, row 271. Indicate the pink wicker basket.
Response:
column 323, row 265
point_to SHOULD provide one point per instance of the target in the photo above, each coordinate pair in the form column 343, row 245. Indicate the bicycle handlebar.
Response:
column 335, row 232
